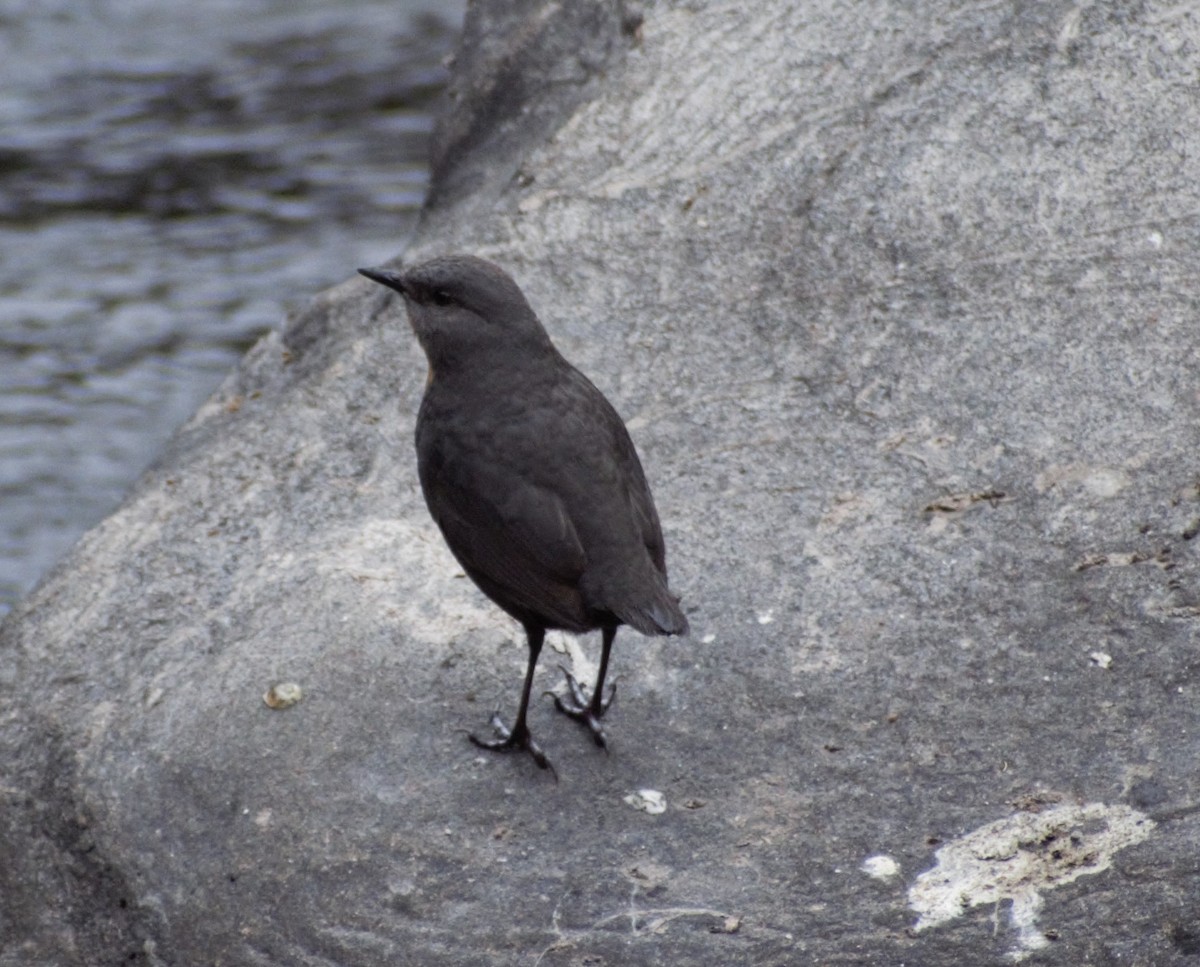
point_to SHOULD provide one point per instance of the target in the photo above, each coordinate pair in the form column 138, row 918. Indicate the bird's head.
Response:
column 462, row 307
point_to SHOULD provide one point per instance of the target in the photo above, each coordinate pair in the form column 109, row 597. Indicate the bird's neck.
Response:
column 515, row 366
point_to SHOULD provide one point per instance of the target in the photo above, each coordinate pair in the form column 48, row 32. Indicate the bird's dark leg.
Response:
column 587, row 710
column 519, row 737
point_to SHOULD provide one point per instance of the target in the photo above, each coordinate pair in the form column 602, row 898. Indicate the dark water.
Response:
column 173, row 178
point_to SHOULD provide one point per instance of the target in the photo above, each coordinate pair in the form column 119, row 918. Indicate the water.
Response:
column 174, row 177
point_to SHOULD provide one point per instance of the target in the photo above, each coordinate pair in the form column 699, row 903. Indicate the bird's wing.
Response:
column 513, row 538
column 644, row 512
column 618, row 453
column 635, row 590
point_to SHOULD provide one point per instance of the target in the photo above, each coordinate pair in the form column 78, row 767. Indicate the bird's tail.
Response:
column 661, row 615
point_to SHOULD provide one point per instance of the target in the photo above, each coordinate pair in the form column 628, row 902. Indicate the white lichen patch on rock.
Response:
column 648, row 801
column 880, row 867
column 283, row 695
column 1018, row 858
column 571, row 648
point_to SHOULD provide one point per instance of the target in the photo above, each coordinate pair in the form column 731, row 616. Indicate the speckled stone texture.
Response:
column 900, row 303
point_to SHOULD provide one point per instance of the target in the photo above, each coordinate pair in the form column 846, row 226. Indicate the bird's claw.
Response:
column 509, row 739
column 584, row 708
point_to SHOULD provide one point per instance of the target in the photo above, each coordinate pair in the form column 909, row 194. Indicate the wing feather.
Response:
column 514, row 539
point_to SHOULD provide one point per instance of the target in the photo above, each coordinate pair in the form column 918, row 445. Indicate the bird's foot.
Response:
column 509, row 739
column 584, row 708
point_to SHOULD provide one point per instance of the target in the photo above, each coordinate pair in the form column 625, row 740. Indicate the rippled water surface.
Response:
column 173, row 178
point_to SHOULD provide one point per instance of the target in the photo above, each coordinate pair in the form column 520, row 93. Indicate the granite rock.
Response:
column 899, row 302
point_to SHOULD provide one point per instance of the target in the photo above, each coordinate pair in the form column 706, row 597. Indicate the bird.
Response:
column 533, row 480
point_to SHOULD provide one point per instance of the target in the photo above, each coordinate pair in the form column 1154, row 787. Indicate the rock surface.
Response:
column 900, row 304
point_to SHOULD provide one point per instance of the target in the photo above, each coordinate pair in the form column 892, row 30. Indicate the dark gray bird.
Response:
column 532, row 478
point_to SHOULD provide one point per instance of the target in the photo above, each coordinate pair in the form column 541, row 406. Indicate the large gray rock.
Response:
column 899, row 301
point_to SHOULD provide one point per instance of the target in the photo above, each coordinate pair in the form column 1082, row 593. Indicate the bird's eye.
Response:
column 440, row 297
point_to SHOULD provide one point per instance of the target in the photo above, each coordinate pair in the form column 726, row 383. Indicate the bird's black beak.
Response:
column 393, row 280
